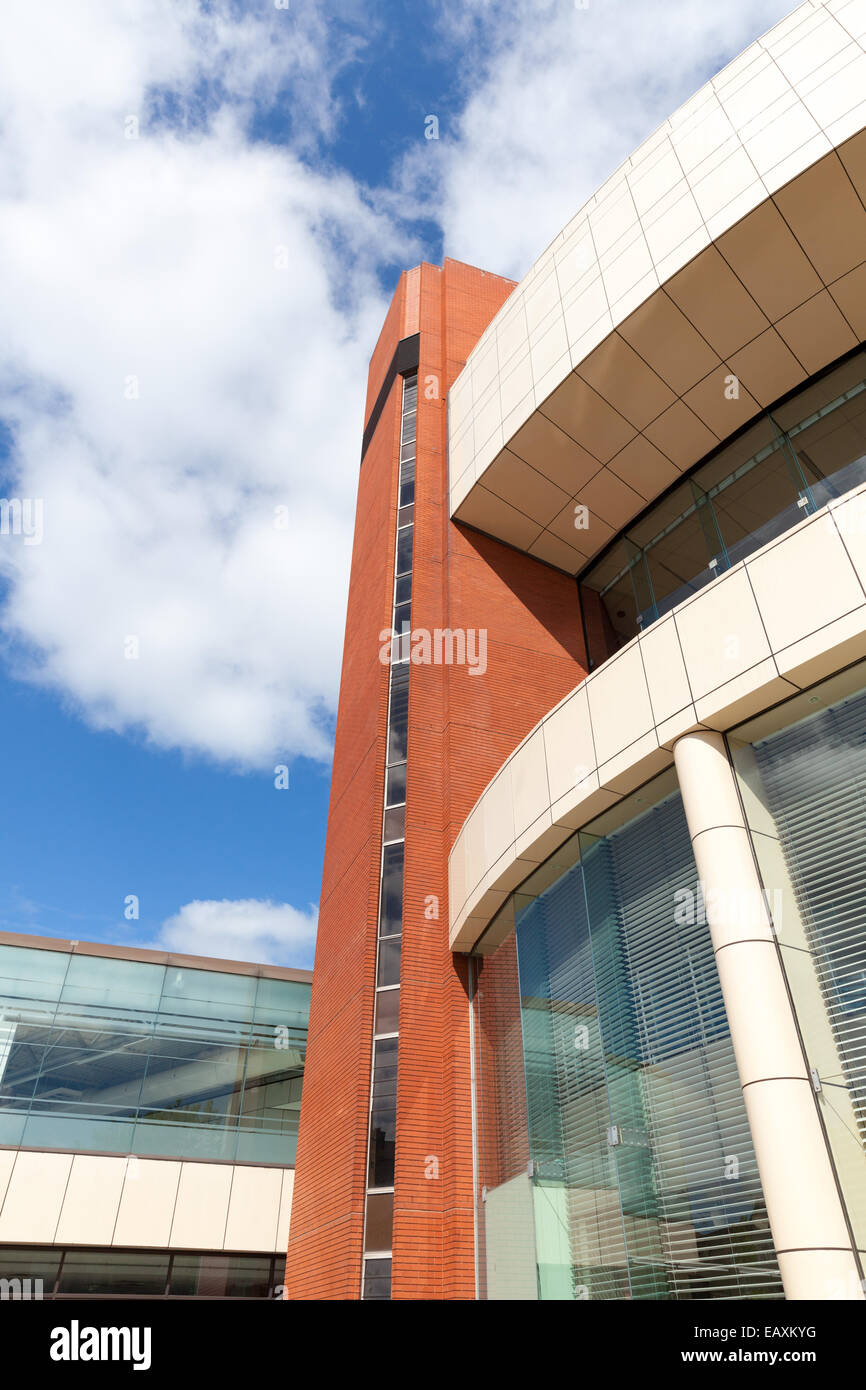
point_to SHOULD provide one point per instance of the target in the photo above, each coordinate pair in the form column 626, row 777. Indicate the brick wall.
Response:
column 461, row 728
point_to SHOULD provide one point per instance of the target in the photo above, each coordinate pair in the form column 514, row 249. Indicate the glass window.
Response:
column 395, row 823
column 380, row 1221
column 802, row 773
column 396, row 785
column 222, row 1276
column 285, row 1004
column 141, row 1058
column 826, row 426
column 644, row 1182
column 780, row 470
column 114, row 1272
column 208, row 994
column 391, row 913
column 402, row 617
column 407, row 479
column 755, row 488
column 383, row 1114
column 32, row 975
column 130, row 989
column 34, row 1269
column 377, row 1279
column 398, row 722
column 98, row 1273
column 387, row 1011
column 404, row 549
column 389, row 960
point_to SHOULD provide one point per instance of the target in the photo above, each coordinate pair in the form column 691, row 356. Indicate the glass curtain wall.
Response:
column 802, row 774
column 796, row 458
column 120, row 1056
column 642, row 1174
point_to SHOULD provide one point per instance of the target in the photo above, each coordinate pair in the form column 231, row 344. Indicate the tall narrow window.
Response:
column 379, row 1211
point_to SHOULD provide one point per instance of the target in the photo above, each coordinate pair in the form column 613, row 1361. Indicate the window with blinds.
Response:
column 812, row 780
column 645, row 1178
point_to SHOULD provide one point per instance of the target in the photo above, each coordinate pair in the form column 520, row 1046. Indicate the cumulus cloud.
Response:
column 188, row 313
column 187, row 319
column 557, row 97
column 245, row 929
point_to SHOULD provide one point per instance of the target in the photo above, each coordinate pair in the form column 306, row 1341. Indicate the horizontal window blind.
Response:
column 814, row 776
column 633, row 1095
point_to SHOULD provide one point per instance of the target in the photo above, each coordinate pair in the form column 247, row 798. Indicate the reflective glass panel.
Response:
column 119, row 1056
column 785, row 466
column 802, row 772
column 643, row 1182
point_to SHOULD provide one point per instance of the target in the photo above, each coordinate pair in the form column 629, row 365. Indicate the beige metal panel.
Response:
column 285, row 1216
column 34, row 1197
column 147, row 1202
column 731, row 244
column 201, row 1208
column 254, row 1209
column 91, row 1200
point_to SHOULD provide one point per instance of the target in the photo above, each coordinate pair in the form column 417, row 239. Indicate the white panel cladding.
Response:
column 89, row 1211
column 201, row 1209
column 147, row 1201
column 254, row 1209
column 764, row 630
column 34, row 1197
column 102, row 1199
column 648, row 237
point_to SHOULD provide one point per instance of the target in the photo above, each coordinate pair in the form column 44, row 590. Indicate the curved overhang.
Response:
column 721, row 266
column 763, row 632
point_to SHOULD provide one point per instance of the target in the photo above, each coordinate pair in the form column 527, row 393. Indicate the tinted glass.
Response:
column 383, row 1113
column 123, row 1056
column 389, row 960
column 387, row 1010
column 404, row 549
column 377, row 1279
column 113, row 1271
column 399, row 717
column 396, row 785
column 391, row 914
column 792, row 461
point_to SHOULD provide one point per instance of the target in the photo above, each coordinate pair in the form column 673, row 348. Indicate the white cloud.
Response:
column 234, row 290
column 558, row 97
column 246, row 929
column 154, row 263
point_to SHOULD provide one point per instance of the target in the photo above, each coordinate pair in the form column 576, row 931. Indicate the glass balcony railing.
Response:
column 785, row 467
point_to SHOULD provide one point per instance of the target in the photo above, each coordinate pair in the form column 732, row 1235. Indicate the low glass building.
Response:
column 149, row 1108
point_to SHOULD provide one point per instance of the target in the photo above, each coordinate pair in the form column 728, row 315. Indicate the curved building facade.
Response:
column 617, row 829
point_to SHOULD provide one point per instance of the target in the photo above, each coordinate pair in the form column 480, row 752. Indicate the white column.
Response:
column 807, row 1220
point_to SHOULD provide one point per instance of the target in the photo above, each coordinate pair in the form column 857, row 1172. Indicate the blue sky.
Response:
column 204, row 208
column 97, row 816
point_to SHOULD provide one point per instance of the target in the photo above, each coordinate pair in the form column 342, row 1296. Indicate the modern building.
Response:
column 588, row 1015
column 149, row 1107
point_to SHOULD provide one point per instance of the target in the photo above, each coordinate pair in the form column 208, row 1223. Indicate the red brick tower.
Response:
column 403, row 1190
